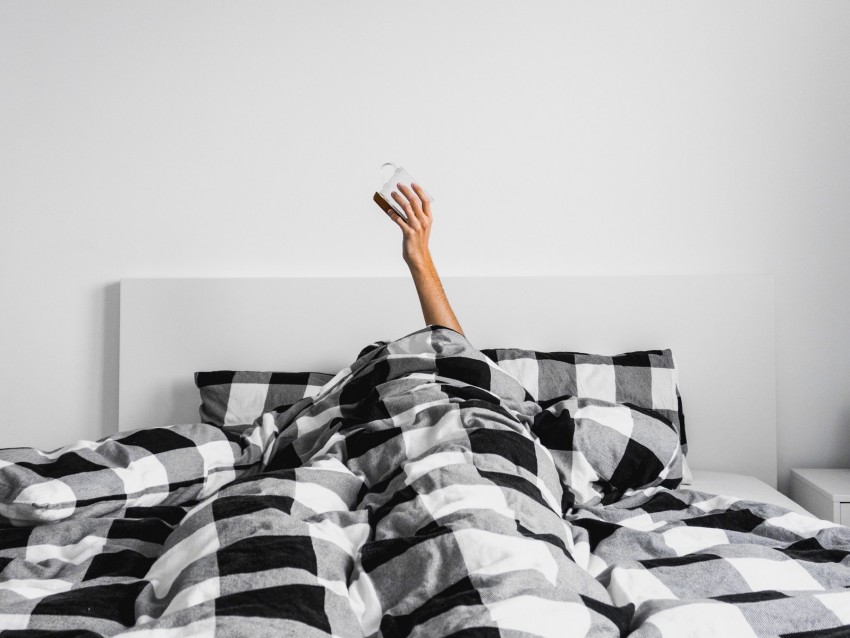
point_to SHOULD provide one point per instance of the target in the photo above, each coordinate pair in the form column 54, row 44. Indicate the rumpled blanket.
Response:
column 420, row 493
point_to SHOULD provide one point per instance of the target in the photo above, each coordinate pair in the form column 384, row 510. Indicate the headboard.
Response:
column 720, row 328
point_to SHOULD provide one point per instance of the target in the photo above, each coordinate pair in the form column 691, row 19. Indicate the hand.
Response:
column 417, row 229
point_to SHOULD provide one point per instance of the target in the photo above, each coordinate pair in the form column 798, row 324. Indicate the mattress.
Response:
column 740, row 486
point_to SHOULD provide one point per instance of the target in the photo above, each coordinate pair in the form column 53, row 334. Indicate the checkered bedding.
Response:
column 420, row 492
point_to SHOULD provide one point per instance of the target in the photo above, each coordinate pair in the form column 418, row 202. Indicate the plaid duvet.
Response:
column 420, row 492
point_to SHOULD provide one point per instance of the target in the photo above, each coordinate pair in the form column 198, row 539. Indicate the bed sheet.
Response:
column 741, row 486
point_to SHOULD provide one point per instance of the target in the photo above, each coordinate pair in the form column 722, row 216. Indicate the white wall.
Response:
column 183, row 139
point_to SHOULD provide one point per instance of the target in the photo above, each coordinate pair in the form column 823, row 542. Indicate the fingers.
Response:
column 390, row 211
column 426, row 201
column 416, row 199
column 412, row 219
column 397, row 219
column 416, row 205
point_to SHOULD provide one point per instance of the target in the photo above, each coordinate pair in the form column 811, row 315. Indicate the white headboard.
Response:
column 720, row 328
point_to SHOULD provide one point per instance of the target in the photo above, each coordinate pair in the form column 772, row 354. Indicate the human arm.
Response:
column 416, row 232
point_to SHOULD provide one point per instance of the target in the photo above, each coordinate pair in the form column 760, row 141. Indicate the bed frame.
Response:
column 720, row 328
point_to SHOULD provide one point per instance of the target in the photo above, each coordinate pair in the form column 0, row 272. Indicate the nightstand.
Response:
column 825, row 493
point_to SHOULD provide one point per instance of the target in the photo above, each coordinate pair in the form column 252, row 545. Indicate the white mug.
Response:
column 385, row 191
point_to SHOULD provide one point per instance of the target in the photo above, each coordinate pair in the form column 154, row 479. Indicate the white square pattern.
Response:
column 596, row 382
column 525, row 370
column 245, row 398
column 702, row 620
column 664, row 389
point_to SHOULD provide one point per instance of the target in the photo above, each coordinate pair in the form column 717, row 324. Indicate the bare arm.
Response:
column 416, row 231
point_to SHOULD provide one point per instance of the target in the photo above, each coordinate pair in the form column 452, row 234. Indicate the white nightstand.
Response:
column 825, row 493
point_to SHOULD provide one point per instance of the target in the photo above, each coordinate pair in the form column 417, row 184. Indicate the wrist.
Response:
column 420, row 264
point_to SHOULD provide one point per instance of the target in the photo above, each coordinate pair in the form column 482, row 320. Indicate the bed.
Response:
column 740, row 486
column 428, row 484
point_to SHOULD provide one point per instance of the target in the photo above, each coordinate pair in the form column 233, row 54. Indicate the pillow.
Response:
column 647, row 379
column 230, row 397
column 169, row 465
column 604, row 451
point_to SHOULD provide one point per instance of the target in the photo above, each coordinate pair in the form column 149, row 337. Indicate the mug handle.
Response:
column 395, row 168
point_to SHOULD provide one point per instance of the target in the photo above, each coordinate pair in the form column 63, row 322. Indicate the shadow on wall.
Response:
column 111, row 324
column 184, row 392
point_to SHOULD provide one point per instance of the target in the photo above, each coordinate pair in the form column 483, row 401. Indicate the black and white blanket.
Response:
column 420, row 493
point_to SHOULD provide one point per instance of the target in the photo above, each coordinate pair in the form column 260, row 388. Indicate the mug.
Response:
column 384, row 198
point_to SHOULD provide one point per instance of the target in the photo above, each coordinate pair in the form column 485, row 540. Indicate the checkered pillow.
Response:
column 647, row 379
column 604, row 450
column 231, row 397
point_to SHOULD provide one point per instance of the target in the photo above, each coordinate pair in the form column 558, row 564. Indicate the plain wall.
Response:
column 218, row 139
